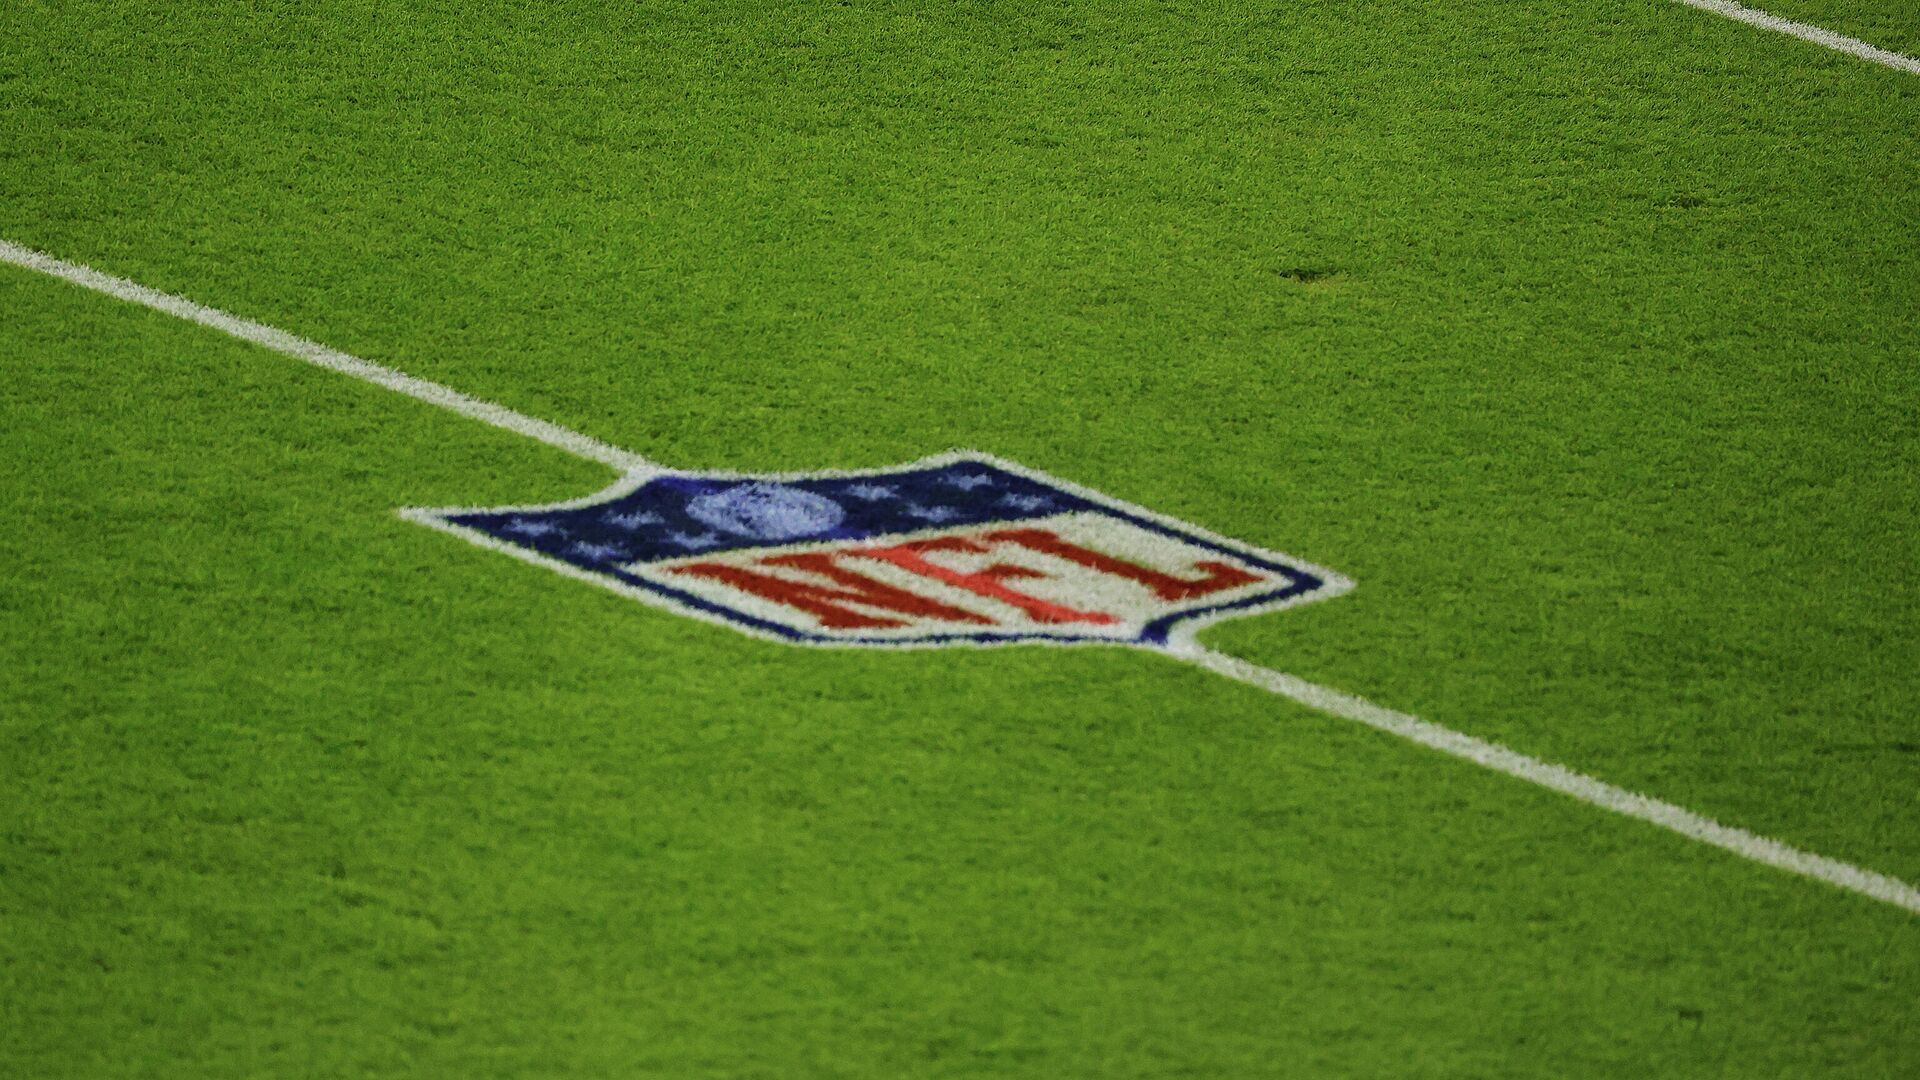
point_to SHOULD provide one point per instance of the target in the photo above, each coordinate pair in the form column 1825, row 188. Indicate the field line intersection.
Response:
column 1179, row 646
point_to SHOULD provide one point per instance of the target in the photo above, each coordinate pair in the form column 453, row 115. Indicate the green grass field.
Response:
column 1584, row 337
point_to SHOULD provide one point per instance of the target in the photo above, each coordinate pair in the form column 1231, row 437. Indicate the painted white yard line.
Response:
column 1489, row 755
column 1809, row 32
column 333, row 359
column 1559, row 778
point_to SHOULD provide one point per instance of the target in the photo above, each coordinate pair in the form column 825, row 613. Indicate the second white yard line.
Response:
column 1458, row 744
column 1560, row 778
column 1809, row 32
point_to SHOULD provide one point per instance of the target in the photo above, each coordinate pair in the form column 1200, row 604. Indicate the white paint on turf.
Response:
column 333, row 359
column 1493, row 756
column 1809, row 32
column 1557, row 777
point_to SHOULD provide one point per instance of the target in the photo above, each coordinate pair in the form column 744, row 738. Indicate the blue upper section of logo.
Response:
column 675, row 516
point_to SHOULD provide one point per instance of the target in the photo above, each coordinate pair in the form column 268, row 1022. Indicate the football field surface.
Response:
column 1583, row 338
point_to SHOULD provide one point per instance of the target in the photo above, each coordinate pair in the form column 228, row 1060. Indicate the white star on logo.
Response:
column 967, row 482
column 693, row 541
column 1026, row 502
column 523, row 527
column 598, row 552
column 631, row 522
column 932, row 513
column 873, row 492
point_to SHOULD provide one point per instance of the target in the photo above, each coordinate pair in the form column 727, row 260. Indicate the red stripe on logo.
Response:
column 984, row 582
column 1218, row 578
column 829, row 603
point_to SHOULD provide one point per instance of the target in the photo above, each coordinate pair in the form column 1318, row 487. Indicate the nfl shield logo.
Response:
column 957, row 549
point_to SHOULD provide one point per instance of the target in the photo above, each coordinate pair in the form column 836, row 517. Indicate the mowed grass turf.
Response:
column 1583, row 339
